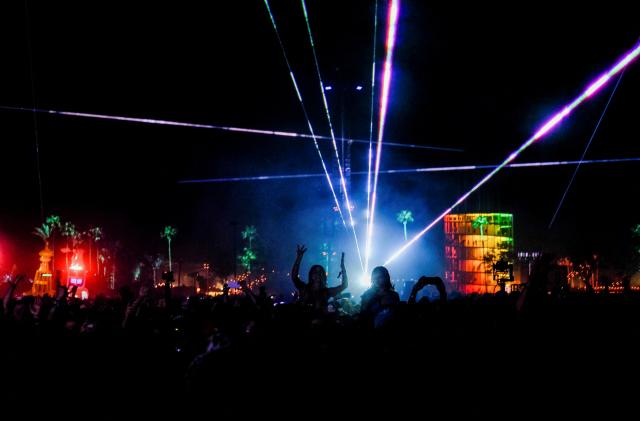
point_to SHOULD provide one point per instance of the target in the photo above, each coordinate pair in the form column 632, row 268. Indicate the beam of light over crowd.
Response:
column 584, row 152
column 306, row 115
column 413, row 170
column 392, row 23
column 546, row 128
column 343, row 182
column 371, row 111
column 160, row 122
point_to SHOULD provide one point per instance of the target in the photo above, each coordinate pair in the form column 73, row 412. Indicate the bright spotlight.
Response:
column 365, row 280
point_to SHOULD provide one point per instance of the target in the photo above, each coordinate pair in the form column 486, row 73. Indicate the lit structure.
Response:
column 525, row 261
column 43, row 281
column 474, row 243
column 543, row 131
column 77, row 274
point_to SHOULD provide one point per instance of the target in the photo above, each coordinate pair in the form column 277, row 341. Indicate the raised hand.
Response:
column 300, row 250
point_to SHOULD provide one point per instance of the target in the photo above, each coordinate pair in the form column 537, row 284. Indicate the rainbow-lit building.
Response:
column 473, row 243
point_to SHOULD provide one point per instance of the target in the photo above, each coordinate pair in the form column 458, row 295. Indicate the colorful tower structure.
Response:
column 475, row 242
column 43, row 281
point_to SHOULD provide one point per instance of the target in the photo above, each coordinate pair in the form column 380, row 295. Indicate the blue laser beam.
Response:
column 331, row 132
column 306, row 115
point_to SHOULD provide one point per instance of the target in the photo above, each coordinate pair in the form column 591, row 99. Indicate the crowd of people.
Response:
column 150, row 355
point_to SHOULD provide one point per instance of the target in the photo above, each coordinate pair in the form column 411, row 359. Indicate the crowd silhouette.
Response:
column 150, row 355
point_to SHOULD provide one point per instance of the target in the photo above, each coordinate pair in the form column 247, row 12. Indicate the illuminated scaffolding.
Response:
column 474, row 242
column 43, row 282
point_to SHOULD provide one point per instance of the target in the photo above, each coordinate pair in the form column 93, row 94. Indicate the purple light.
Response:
column 328, row 88
column 358, row 88
column 174, row 123
column 371, row 110
column 597, row 85
column 546, row 128
column 413, row 170
column 392, row 23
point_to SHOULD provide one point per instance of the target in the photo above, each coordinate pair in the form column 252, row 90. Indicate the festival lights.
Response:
column 343, row 182
column 546, row 128
column 304, row 110
column 414, row 170
column 392, row 23
column 277, row 133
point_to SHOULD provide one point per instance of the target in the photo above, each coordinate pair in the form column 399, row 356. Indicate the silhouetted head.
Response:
column 317, row 277
column 381, row 279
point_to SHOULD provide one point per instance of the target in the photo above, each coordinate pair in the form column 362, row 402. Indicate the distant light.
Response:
column 328, row 88
column 359, row 88
column 76, row 267
column 365, row 280
column 76, row 281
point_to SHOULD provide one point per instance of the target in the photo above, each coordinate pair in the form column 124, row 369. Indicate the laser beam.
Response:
column 584, row 152
column 153, row 121
column 392, row 23
column 306, row 115
column 373, row 97
column 333, row 137
column 545, row 129
column 411, row 170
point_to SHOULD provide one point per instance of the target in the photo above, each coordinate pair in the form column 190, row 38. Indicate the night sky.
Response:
column 480, row 77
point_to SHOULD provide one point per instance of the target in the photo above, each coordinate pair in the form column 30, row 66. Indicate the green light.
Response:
column 404, row 217
column 168, row 233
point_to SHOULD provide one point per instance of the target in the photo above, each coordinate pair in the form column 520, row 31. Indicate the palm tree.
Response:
column 55, row 224
column 246, row 258
column 95, row 235
column 70, row 233
column 53, row 221
column 404, row 217
column 102, row 255
column 480, row 221
column 156, row 264
column 44, row 232
column 168, row 233
column 635, row 231
column 249, row 233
